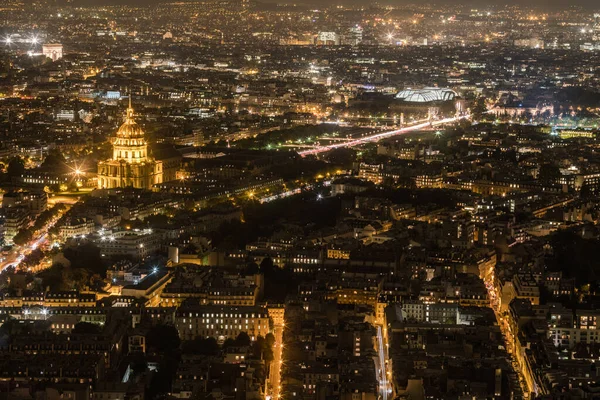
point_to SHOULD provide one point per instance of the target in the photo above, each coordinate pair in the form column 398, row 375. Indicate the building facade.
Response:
column 131, row 164
column 221, row 322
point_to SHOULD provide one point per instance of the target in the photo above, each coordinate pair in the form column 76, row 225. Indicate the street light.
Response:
column 390, row 37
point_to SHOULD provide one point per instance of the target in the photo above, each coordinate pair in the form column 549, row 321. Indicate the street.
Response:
column 525, row 380
column 40, row 239
column 384, row 384
column 382, row 135
column 275, row 372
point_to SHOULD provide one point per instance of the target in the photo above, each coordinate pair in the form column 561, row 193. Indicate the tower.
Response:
column 130, row 165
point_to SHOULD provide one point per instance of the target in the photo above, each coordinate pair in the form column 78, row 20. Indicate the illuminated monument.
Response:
column 54, row 51
column 131, row 165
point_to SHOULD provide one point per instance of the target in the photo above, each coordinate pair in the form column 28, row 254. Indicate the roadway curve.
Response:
column 378, row 136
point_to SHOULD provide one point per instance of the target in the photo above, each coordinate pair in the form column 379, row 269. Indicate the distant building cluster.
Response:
column 326, row 202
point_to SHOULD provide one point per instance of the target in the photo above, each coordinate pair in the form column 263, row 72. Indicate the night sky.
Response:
column 556, row 4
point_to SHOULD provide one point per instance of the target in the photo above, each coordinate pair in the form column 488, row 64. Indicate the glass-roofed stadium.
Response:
column 426, row 95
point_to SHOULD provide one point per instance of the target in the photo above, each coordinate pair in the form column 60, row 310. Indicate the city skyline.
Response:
column 247, row 200
column 589, row 4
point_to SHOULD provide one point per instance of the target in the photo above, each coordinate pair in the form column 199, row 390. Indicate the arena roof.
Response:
column 426, row 95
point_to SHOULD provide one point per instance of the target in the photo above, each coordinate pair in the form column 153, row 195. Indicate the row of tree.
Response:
column 25, row 235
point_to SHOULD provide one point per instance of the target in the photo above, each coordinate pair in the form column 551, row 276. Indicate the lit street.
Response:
column 384, row 384
column 525, row 380
column 382, row 135
column 276, row 365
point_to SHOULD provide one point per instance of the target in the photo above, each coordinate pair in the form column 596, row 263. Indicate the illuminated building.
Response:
column 430, row 181
column 426, row 95
column 49, row 301
column 148, row 288
column 575, row 134
column 65, row 115
column 15, row 219
column 338, row 254
column 371, row 172
column 53, row 51
column 227, row 296
column 355, row 290
column 354, row 36
column 134, row 244
column 77, row 227
column 432, row 100
column 221, row 322
column 328, row 38
column 533, row 43
column 131, row 165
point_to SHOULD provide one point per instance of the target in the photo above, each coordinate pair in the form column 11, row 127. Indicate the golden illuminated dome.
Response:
column 130, row 129
column 130, row 145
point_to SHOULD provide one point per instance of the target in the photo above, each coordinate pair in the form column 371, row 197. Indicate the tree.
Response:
column 157, row 220
column 242, row 340
column 549, row 173
column 86, row 328
column 279, row 283
column 54, row 160
column 162, row 380
column 270, row 339
column 163, row 338
column 54, row 230
column 587, row 191
column 201, row 346
column 251, row 269
column 575, row 257
column 6, row 275
column 86, row 256
column 47, row 215
column 16, row 167
column 262, row 349
column 267, row 266
column 23, row 237
column 33, row 258
column 139, row 365
column 75, row 278
column 342, row 156
column 479, row 108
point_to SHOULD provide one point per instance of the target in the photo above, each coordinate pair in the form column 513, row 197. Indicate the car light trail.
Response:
column 383, row 382
column 379, row 136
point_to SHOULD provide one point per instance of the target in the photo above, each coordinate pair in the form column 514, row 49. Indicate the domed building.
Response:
column 426, row 101
column 131, row 165
column 426, row 95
